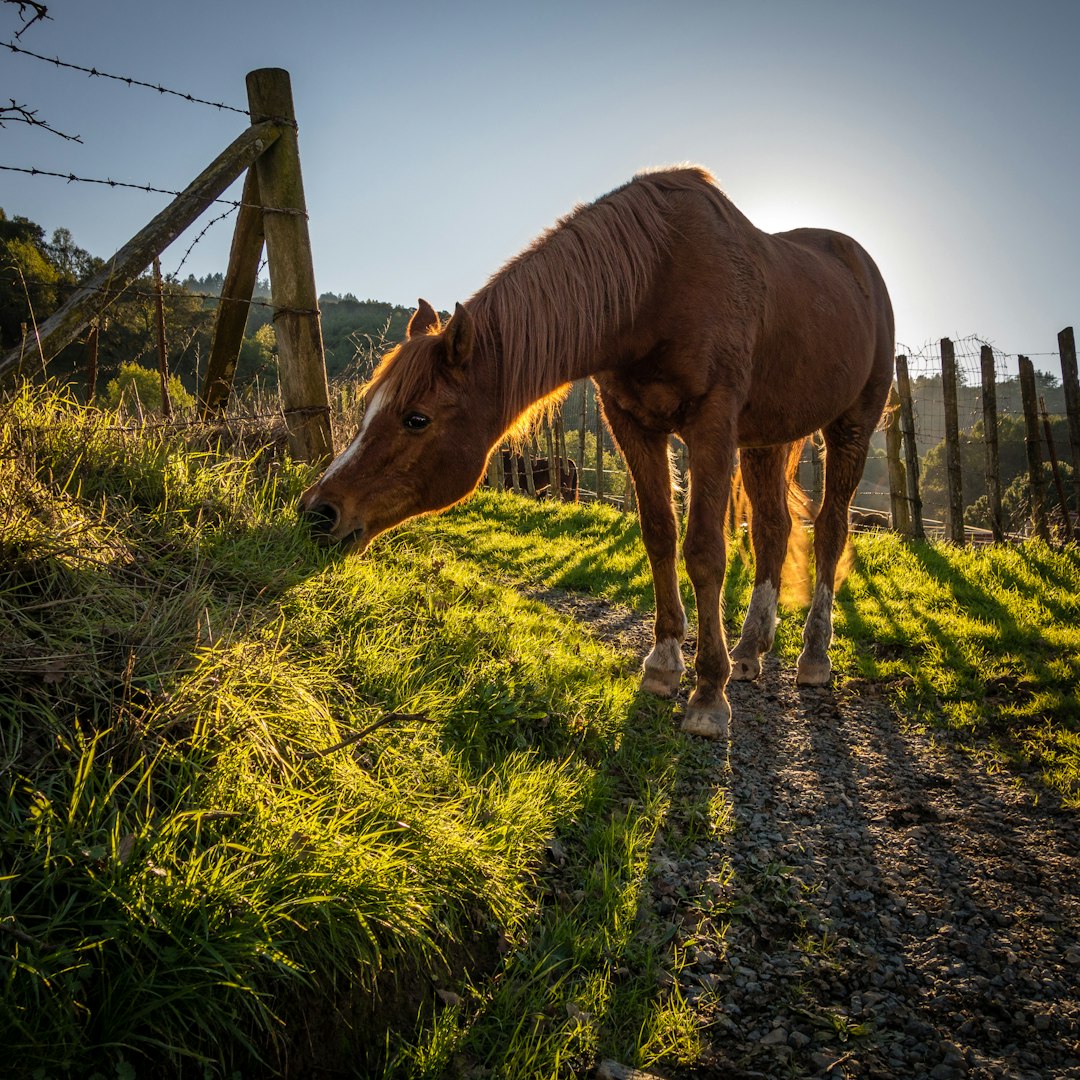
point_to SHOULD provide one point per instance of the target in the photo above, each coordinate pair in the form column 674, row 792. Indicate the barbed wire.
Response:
column 71, row 178
column 131, row 293
column 126, row 79
column 202, row 232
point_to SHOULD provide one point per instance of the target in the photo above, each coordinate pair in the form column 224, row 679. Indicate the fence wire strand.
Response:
column 126, row 79
column 71, row 178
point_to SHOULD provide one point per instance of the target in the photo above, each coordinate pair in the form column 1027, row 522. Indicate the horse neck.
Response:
column 520, row 365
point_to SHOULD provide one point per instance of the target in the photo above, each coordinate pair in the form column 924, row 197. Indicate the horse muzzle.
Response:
column 323, row 520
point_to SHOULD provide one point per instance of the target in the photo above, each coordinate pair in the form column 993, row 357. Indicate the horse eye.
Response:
column 415, row 421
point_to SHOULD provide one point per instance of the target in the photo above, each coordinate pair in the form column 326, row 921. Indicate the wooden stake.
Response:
column 234, row 304
column 305, row 396
column 1059, row 487
column 162, row 351
column 952, row 443
column 901, row 512
column 1034, row 453
column 990, row 440
column 911, row 450
column 1071, row 385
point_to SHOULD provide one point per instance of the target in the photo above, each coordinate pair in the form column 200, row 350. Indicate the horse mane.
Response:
column 548, row 308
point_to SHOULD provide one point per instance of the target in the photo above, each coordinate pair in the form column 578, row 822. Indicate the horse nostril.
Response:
column 321, row 518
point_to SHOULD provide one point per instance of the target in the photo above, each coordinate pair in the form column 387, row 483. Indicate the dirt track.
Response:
column 897, row 908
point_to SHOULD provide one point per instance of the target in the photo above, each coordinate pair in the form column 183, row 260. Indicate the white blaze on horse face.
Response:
column 354, row 448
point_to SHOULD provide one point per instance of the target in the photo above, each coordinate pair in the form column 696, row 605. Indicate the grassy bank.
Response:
column 198, row 878
column 192, row 879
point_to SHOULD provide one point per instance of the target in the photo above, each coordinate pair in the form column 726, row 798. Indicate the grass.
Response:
column 189, row 884
column 981, row 642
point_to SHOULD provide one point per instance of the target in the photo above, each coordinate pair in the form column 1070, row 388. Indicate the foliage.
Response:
column 139, row 387
column 1012, row 459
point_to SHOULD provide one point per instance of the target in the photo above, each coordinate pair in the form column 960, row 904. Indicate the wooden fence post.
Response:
column 162, row 350
column 952, row 443
column 1071, row 385
column 553, row 462
column 92, row 343
column 990, row 441
column 599, row 452
column 1034, row 453
column 66, row 323
column 530, row 482
column 305, row 396
column 898, row 502
column 1055, row 471
column 515, row 473
column 234, row 304
column 582, row 430
column 911, row 451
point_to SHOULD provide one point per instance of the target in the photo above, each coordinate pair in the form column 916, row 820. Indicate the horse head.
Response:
column 424, row 439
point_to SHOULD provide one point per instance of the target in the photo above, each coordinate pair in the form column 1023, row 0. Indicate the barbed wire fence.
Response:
column 269, row 108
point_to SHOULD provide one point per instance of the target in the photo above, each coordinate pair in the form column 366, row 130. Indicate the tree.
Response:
column 28, row 279
column 135, row 384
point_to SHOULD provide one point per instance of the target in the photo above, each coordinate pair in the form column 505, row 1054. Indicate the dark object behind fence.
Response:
column 517, row 465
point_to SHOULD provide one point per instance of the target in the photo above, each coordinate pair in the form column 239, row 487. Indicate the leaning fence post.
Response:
column 911, row 451
column 1071, row 385
column 1055, row 471
column 301, row 366
column 88, row 301
column 234, row 303
column 990, row 440
column 1034, row 453
column 952, row 442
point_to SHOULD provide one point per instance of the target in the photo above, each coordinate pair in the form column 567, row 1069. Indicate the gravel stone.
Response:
column 891, row 906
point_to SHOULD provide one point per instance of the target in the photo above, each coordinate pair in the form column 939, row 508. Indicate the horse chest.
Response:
column 654, row 405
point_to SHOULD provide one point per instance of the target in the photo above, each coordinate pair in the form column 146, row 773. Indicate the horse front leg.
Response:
column 712, row 455
column 647, row 457
column 764, row 477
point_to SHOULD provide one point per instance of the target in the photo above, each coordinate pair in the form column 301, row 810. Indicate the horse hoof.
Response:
column 711, row 723
column 662, row 683
column 744, row 668
column 813, row 672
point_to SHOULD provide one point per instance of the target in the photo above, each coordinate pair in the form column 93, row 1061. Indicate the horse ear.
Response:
column 423, row 320
column 460, row 335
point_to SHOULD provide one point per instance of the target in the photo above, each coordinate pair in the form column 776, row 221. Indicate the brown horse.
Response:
column 689, row 320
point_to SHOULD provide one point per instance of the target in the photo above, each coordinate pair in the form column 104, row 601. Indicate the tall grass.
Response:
column 187, row 880
column 193, row 882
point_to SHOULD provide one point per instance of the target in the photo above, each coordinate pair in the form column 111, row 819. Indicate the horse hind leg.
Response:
column 765, row 479
column 712, row 453
column 846, row 444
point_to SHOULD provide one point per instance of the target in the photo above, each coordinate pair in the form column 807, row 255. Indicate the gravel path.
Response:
column 883, row 906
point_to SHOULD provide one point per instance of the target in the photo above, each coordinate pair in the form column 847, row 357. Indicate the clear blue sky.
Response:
column 438, row 139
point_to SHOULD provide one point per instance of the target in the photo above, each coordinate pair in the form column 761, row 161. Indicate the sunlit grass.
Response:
column 189, row 882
